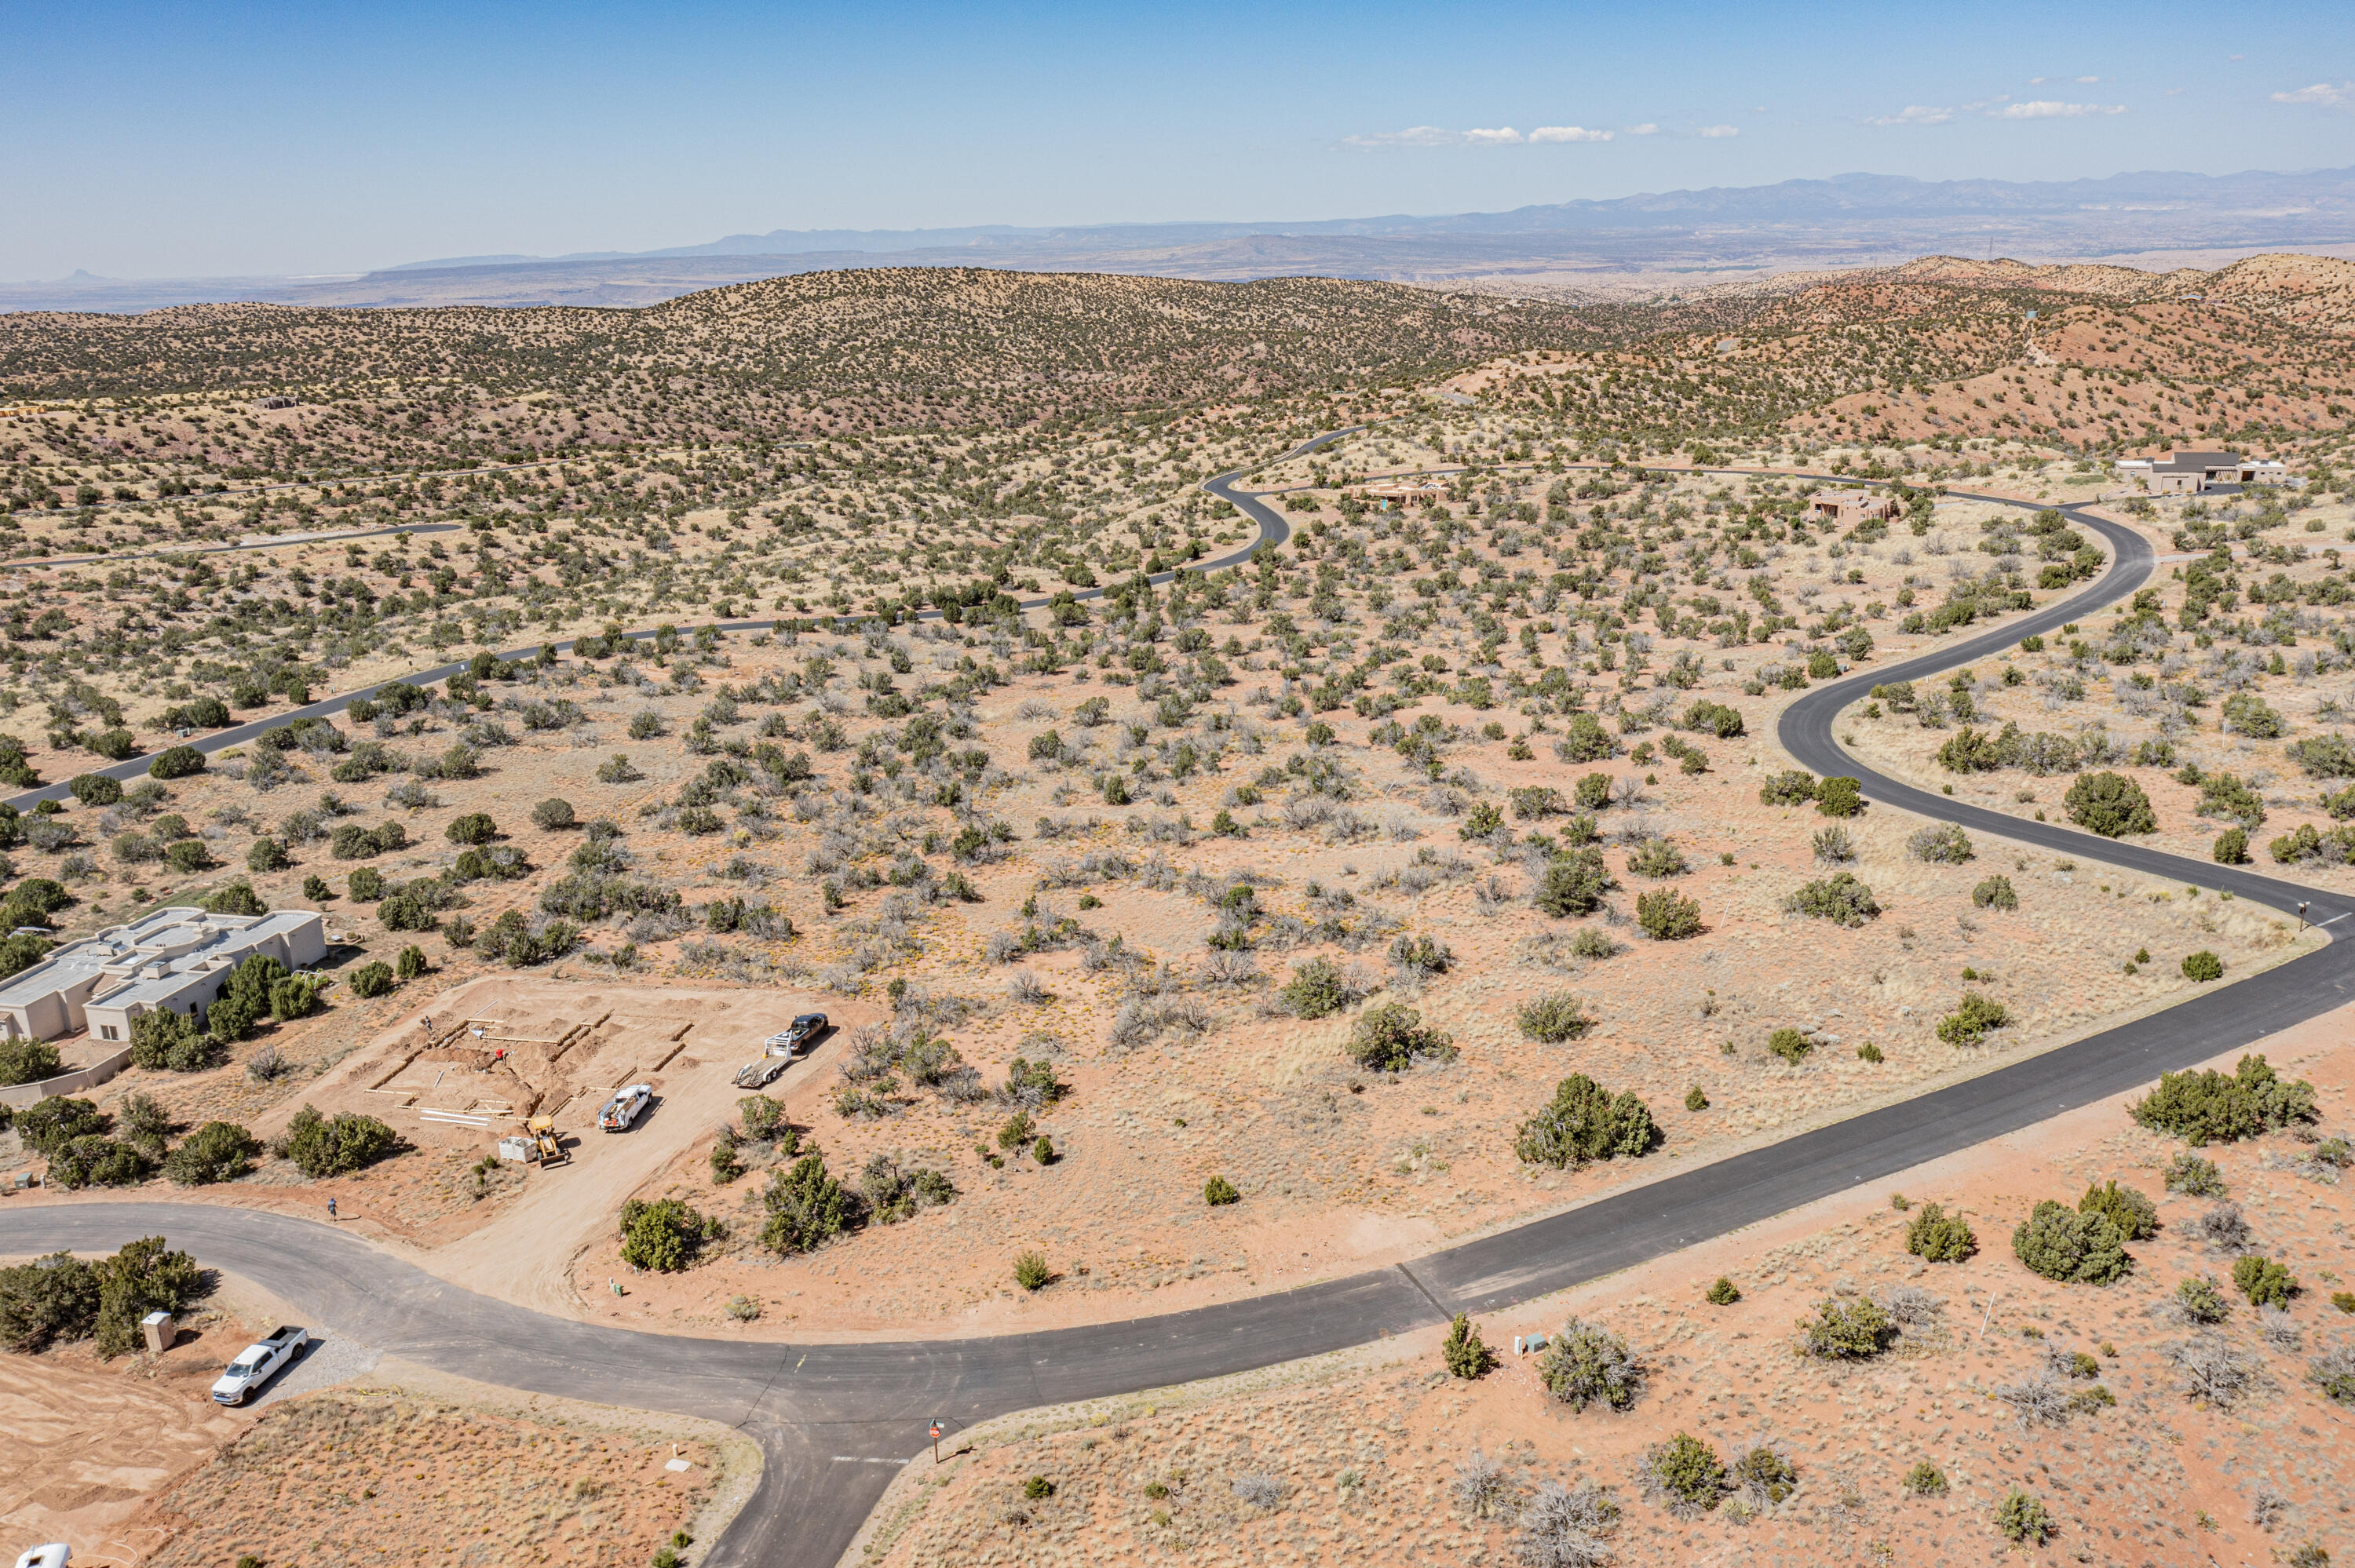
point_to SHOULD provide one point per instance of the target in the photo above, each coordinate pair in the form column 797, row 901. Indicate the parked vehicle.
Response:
column 56, row 1555
column 625, row 1106
column 761, row 1072
column 802, row 1031
column 256, row 1364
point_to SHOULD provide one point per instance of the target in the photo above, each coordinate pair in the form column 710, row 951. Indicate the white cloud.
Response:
column 2052, row 109
column 1434, row 136
column 1567, row 134
column 1645, row 129
column 2088, row 79
column 1913, row 114
column 2330, row 96
column 1717, row 130
column 2038, row 80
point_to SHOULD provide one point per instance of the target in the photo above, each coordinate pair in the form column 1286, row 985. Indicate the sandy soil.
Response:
column 1360, row 1450
column 91, row 1440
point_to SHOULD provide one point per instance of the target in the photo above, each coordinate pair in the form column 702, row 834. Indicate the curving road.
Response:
column 834, row 1420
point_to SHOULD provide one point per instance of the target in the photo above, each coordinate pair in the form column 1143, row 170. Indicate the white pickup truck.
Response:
column 625, row 1106
column 256, row 1364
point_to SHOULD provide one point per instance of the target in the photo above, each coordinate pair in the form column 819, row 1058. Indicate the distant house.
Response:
column 2190, row 474
column 175, row 958
column 1402, row 493
column 1845, row 508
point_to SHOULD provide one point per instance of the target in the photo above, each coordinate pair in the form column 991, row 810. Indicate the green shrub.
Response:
column 1686, row 1473
column 1554, row 1018
column 46, row 1125
column 1714, row 719
column 216, row 1151
column 24, row 1060
column 807, row 1207
column 1315, row 990
column 663, row 1235
column 1840, row 796
column 267, row 854
column 365, row 883
column 1657, row 858
column 2190, row 1173
column 474, row 828
column 2203, row 966
column 2247, row 714
column 322, row 1146
column 1573, row 883
column 1030, row 1271
column 2322, row 756
column 98, row 1162
column 2264, row 1281
column 297, row 996
column 1868, row 1052
column 1972, row 1019
column 1586, row 1363
column 1995, row 893
column 1789, row 1045
column 1970, row 751
column 1389, row 1036
column 1839, row 898
column 2020, row 1518
column 1695, row 1100
column 1941, row 843
column 1217, row 1191
column 147, row 1276
column 49, row 1300
column 2135, row 1215
column 1462, row 1351
column 1665, row 916
column 410, row 963
column 765, row 1119
column 21, row 952
column 2211, row 1107
column 1724, row 1292
column 178, row 762
column 2201, row 1300
column 94, row 789
column 189, row 856
column 372, row 979
column 2061, row 1244
column 171, row 1041
column 1788, row 788
column 2110, row 804
column 553, row 815
column 1925, row 1480
column 2231, row 847
column 1038, row 1488
column 1853, row 1330
column 1584, row 1122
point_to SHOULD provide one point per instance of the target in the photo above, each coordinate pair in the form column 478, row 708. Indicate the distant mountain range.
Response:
column 1846, row 221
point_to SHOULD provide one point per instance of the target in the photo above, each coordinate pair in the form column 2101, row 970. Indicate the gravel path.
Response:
column 324, row 1363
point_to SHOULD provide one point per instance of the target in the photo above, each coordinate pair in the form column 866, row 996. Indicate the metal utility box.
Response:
column 163, row 1331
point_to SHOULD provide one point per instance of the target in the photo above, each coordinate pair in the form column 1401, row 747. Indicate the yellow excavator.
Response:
column 549, row 1149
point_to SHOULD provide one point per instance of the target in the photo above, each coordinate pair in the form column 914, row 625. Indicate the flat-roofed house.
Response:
column 1846, row 508
column 2191, row 474
column 173, row 958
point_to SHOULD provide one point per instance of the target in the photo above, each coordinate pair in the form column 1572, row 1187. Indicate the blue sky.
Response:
column 156, row 140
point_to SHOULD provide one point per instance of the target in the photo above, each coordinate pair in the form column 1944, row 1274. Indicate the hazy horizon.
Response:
column 158, row 141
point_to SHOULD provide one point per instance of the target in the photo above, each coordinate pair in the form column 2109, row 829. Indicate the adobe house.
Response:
column 2193, row 473
column 173, row 958
column 1846, row 508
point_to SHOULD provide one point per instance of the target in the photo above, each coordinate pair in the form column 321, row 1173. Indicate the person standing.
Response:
column 331, row 1210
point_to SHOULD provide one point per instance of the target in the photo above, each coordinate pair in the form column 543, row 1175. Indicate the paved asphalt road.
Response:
column 834, row 1421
